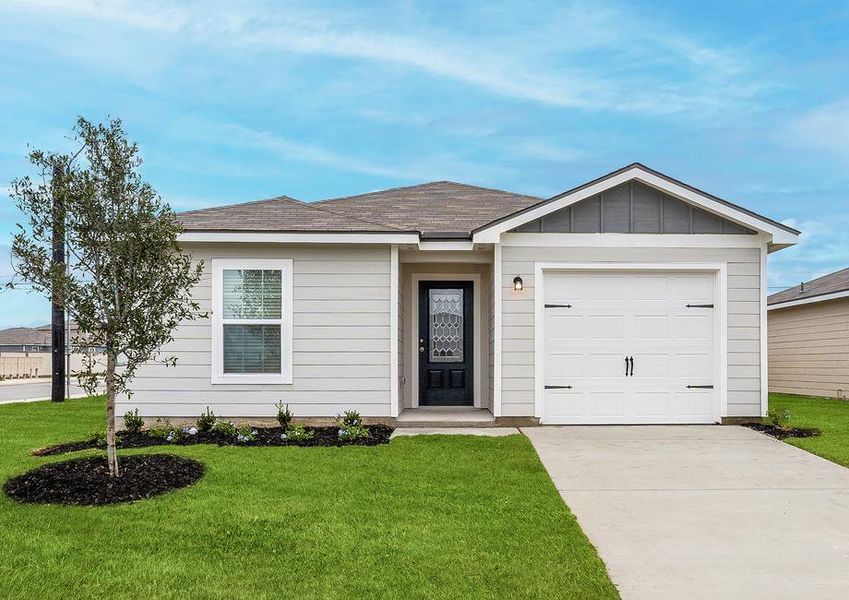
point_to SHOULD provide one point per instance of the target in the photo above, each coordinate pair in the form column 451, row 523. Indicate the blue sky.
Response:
column 232, row 102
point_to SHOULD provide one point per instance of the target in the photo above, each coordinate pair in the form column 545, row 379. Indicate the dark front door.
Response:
column 445, row 343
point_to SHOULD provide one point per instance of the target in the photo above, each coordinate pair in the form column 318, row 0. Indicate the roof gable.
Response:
column 782, row 235
column 632, row 207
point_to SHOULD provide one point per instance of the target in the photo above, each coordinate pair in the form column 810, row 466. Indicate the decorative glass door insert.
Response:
column 446, row 325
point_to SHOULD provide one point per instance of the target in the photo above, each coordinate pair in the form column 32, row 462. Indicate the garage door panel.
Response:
column 563, row 404
column 696, row 366
column 693, row 402
column 619, row 314
column 650, row 326
column 604, row 288
column 605, row 403
column 693, row 326
column 606, row 326
column 566, row 326
column 691, row 288
column 651, row 404
column 559, row 366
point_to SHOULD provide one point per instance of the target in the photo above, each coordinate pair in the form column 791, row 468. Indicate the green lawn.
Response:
column 421, row 517
column 829, row 416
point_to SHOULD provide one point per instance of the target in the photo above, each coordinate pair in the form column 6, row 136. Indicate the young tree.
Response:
column 128, row 283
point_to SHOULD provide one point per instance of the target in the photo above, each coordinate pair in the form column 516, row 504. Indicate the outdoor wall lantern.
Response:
column 517, row 284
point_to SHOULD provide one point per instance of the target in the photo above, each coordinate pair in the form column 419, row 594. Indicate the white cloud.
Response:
column 825, row 128
column 554, row 64
column 541, row 150
column 823, row 248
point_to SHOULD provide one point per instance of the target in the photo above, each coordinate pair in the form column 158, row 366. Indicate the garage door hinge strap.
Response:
column 558, row 387
column 558, row 306
column 699, row 387
column 700, row 306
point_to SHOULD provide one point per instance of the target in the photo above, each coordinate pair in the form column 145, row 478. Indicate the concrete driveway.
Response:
column 704, row 511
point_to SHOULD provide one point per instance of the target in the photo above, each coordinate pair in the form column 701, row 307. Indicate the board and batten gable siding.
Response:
column 517, row 330
column 632, row 208
column 809, row 349
column 341, row 340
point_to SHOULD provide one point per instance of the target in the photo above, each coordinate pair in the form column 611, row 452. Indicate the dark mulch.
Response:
column 266, row 436
column 86, row 481
column 783, row 433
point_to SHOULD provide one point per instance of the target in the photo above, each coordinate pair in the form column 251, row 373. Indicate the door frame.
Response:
column 720, row 292
column 413, row 346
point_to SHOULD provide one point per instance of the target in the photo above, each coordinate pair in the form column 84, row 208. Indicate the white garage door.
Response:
column 629, row 347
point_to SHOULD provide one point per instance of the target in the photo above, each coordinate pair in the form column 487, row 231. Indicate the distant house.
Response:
column 809, row 338
column 25, row 352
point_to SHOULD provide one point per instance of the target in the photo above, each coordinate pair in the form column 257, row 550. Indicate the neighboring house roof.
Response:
column 445, row 209
column 828, row 287
column 438, row 208
column 24, row 336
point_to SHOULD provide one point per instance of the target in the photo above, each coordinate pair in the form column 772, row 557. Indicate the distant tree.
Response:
column 128, row 285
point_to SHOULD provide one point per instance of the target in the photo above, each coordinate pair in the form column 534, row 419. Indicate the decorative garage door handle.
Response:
column 558, row 306
column 629, row 362
column 700, row 306
column 558, row 387
column 699, row 387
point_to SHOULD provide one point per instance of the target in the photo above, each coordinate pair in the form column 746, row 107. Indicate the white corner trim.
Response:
column 394, row 324
column 780, row 236
column 496, row 345
column 217, row 375
column 306, row 238
column 764, row 280
column 477, row 355
column 811, row 300
column 720, row 323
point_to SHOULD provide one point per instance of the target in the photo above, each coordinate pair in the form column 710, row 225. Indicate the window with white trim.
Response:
column 252, row 321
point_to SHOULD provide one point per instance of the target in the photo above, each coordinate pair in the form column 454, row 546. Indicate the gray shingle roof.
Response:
column 827, row 284
column 24, row 335
column 436, row 208
column 276, row 214
column 432, row 209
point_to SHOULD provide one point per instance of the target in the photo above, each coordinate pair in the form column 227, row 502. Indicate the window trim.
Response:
column 219, row 265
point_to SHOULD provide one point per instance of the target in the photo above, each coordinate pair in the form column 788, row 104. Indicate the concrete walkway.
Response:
column 704, row 511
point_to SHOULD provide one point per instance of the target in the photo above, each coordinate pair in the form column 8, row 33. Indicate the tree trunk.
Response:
column 111, row 448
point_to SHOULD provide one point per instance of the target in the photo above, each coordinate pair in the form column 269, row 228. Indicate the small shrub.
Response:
column 98, row 436
column 206, row 421
column 350, row 418
column 297, row 433
column 284, row 415
column 225, row 428
column 245, row 434
column 133, row 422
column 163, row 429
column 349, row 433
column 779, row 417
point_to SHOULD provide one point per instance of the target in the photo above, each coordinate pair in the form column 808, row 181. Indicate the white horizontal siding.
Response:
column 743, row 265
column 340, row 341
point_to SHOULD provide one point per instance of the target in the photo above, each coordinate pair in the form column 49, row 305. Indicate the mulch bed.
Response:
column 783, row 433
column 266, row 436
column 86, row 481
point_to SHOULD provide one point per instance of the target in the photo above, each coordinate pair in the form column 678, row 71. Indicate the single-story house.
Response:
column 25, row 351
column 809, row 338
column 633, row 298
